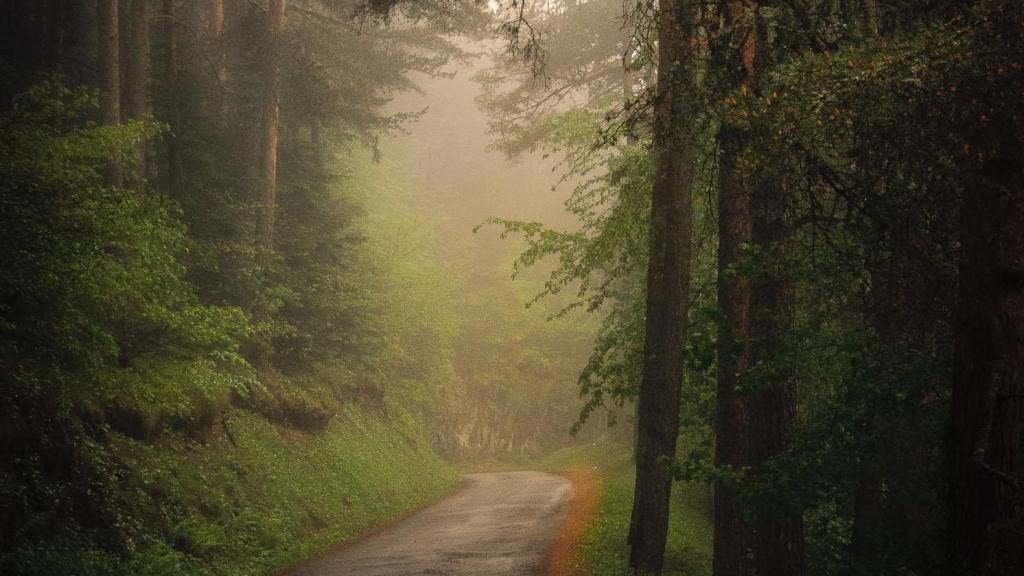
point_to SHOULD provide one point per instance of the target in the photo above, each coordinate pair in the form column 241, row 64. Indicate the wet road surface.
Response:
column 499, row 524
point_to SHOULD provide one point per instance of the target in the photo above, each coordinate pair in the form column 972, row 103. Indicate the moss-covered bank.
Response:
column 249, row 499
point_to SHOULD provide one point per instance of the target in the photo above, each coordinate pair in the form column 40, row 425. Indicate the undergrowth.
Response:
column 246, row 504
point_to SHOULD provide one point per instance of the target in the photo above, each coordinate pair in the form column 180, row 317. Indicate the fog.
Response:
column 457, row 180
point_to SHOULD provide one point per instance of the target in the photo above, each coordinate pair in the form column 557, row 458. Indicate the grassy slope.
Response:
column 279, row 496
column 688, row 551
column 194, row 504
column 188, row 507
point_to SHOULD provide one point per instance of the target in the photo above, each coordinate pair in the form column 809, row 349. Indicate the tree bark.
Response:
column 733, row 59
column 54, row 56
column 137, row 89
column 219, row 99
column 109, row 75
column 871, row 18
column 734, row 297
column 868, row 546
column 987, row 467
column 867, row 512
column 778, row 544
column 668, row 277
column 271, row 126
column 173, row 87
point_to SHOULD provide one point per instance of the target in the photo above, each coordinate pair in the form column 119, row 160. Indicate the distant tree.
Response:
column 172, row 86
column 271, row 126
column 219, row 101
column 137, row 75
column 591, row 64
column 109, row 65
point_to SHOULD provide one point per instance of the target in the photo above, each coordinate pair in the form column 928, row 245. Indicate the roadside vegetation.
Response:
column 603, row 550
column 246, row 504
column 801, row 229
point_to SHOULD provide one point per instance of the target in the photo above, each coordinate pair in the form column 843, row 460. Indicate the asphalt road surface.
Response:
column 499, row 524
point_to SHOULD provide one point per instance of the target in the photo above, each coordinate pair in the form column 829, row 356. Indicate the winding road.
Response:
column 499, row 524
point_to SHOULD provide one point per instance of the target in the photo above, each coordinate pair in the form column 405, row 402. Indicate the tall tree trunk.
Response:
column 137, row 61
column 271, row 127
column 137, row 89
column 219, row 101
column 23, row 28
column 54, row 55
column 987, row 467
column 734, row 297
column 871, row 18
column 109, row 68
column 734, row 60
column 867, row 545
column 173, row 87
column 268, row 162
column 778, row 544
column 668, row 278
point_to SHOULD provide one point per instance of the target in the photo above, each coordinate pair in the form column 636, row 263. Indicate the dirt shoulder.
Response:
column 565, row 558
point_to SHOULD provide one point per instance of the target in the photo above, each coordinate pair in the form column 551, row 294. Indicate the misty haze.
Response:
column 512, row 287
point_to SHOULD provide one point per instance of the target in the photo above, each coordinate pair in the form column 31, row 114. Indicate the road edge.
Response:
column 565, row 556
column 294, row 567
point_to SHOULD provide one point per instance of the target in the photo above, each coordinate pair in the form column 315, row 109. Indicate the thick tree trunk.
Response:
column 734, row 297
column 23, row 28
column 668, row 277
column 868, row 545
column 867, row 512
column 733, row 59
column 109, row 75
column 271, row 126
column 778, row 543
column 987, row 467
column 137, row 61
column 137, row 89
column 173, row 87
column 268, row 162
column 871, row 18
column 54, row 56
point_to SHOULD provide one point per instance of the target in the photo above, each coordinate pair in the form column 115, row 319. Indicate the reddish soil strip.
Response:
column 564, row 559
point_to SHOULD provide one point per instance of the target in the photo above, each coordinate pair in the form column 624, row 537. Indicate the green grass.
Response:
column 604, row 550
column 188, row 507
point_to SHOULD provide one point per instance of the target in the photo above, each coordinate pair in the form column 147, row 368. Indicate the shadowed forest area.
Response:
column 279, row 273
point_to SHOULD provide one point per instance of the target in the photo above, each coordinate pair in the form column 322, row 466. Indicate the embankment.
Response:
column 248, row 498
